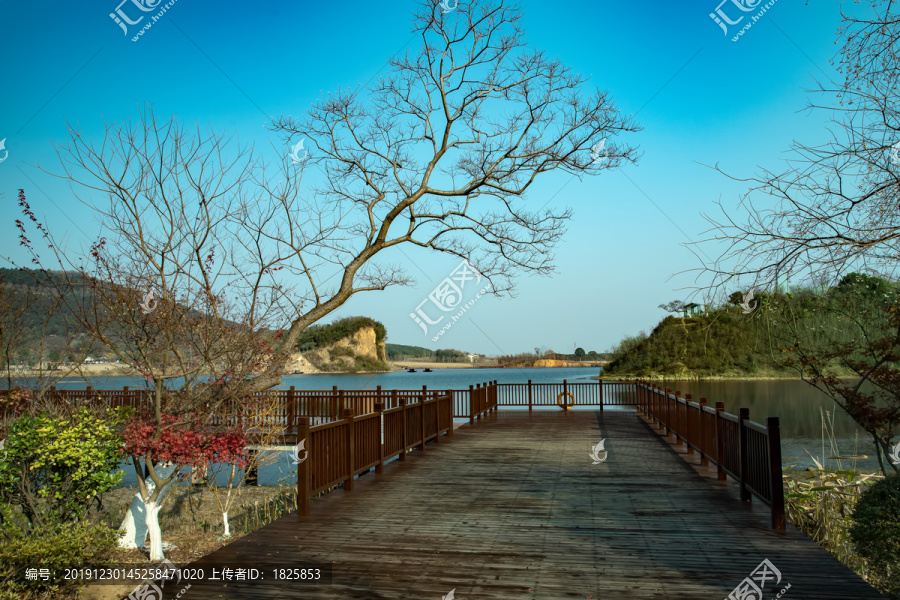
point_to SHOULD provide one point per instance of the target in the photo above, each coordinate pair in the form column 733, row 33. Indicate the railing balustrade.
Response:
column 749, row 452
column 349, row 432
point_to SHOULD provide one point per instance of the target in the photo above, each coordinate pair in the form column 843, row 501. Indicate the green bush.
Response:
column 53, row 468
column 875, row 532
column 54, row 549
column 342, row 351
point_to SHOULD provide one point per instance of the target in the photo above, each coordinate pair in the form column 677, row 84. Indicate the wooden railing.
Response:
column 749, row 452
column 340, row 450
column 349, row 432
column 322, row 406
column 598, row 393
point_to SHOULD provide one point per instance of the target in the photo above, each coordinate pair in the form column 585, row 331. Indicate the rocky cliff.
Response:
column 358, row 351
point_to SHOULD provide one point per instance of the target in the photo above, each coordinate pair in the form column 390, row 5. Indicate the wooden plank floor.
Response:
column 514, row 508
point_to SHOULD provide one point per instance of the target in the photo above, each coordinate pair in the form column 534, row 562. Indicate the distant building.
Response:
column 692, row 310
column 472, row 357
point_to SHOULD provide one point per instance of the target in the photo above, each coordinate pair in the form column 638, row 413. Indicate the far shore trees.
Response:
column 214, row 261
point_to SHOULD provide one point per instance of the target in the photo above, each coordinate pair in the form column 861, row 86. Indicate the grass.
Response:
column 820, row 501
column 193, row 525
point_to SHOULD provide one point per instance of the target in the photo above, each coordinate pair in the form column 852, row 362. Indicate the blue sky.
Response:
column 701, row 98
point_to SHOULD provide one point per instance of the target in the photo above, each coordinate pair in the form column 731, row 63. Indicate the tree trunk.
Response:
column 227, row 533
column 135, row 521
column 152, row 520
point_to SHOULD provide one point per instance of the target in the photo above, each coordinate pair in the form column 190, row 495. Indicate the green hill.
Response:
column 319, row 336
column 402, row 352
column 725, row 342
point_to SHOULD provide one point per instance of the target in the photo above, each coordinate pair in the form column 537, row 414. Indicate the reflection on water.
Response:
column 796, row 403
column 798, row 406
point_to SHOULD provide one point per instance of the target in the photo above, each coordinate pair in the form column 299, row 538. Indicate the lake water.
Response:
column 798, row 405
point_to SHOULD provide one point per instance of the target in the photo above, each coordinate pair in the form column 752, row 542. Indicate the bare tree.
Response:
column 15, row 303
column 438, row 154
column 675, row 306
column 834, row 208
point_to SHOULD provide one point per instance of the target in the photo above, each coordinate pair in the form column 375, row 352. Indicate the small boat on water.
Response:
column 410, row 370
column 427, row 371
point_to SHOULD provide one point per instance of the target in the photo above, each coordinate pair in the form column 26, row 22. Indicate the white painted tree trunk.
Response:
column 156, row 551
column 227, row 533
column 135, row 521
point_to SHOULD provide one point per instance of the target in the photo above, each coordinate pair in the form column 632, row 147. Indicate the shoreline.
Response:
column 97, row 371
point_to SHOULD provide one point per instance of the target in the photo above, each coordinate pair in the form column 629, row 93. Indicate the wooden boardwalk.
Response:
column 514, row 508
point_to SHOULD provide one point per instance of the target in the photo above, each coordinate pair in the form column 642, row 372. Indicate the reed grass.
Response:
column 823, row 507
column 260, row 514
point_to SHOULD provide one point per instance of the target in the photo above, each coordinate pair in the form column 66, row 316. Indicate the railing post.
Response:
column 379, row 468
column 773, row 430
column 720, row 441
column 304, row 472
column 422, row 416
column 377, row 395
column 471, row 405
column 565, row 391
column 291, row 409
column 687, row 422
column 668, row 412
column 529, row 395
column 478, row 392
column 401, row 402
column 347, row 415
column 451, row 404
column 704, row 462
column 335, row 410
column 437, row 417
column 600, row 383
column 679, row 431
column 745, row 458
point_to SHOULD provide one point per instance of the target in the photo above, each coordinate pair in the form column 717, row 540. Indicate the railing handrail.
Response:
column 722, row 439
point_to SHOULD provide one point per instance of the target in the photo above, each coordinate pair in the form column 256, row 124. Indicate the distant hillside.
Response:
column 401, row 352
column 22, row 293
column 721, row 344
column 725, row 342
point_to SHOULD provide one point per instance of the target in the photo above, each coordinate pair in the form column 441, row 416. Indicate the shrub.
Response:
column 52, row 469
column 875, row 532
column 52, row 548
